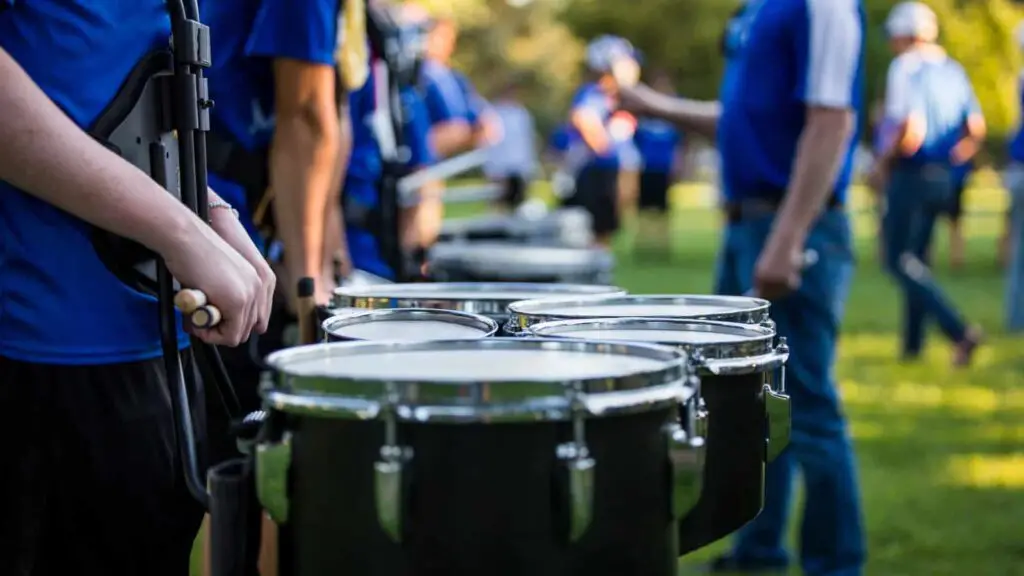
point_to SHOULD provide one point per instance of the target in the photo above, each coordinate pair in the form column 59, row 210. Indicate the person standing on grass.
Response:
column 786, row 131
column 512, row 162
column 930, row 100
column 1012, row 243
column 595, row 159
column 661, row 148
column 92, row 481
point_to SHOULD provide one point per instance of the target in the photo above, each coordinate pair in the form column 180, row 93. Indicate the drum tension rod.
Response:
column 580, row 466
column 388, row 471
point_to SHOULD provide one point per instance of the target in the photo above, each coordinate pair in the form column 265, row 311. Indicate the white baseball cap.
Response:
column 912, row 20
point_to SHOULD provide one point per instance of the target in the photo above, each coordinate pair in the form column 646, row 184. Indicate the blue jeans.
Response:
column 1015, row 267
column 832, row 538
column 915, row 198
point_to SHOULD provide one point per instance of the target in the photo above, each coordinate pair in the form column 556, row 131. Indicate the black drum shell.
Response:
column 734, row 466
column 483, row 500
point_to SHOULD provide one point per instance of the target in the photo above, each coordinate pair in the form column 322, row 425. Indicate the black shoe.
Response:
column 728, row 564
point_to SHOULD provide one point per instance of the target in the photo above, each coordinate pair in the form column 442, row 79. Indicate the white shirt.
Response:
column 515, row 154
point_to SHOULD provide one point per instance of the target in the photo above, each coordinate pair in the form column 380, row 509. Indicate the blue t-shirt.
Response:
column 246, row 35
column 560, row 138
column 796, row 53
column 732, row 43
column 448, row 95
column 58, row 303
column 590, row 98
column 657, row 141
column 365, row 166
column 927, row 83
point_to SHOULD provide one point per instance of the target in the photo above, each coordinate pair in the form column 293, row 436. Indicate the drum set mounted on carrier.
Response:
column 512, row 422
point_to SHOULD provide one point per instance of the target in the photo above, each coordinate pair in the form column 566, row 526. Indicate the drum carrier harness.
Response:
column 158, row 121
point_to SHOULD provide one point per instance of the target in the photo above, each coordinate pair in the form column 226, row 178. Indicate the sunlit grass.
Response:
column 941, row 450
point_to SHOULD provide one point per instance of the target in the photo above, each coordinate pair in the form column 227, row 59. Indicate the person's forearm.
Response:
column 335, row 245
column 303, row 161
column 819, row 155
column 45, row 154
column 693, row 115
column 450, row 138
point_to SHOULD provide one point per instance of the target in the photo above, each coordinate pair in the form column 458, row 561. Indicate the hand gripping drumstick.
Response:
column 808, row 258
column 193, row 302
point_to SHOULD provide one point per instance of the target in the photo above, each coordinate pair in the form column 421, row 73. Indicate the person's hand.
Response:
column 231, row 231
column 777, row 272
column 202, row 260
column 963, row 151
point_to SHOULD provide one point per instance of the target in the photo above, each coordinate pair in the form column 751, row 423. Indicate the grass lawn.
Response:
column 941, row 451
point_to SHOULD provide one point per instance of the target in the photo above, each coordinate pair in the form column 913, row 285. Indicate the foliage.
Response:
column 545, row 38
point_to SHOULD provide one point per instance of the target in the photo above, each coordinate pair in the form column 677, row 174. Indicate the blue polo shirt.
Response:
column 365, row 166
column 657, row 141
column 446, row 94
column 58, row 303
column 592, row 99
column 796, row 53
column 732, row 42
column 927, row 83
column 246, row 35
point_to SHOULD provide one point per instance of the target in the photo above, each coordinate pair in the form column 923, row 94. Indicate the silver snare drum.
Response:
column 748, row 421
column 489, row 299
column 738, row 309
column 415, row 448
column 408, row 325
column 509, row 262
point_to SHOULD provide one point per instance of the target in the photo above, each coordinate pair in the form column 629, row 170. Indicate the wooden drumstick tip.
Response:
column 205, row 317
column 189, row 300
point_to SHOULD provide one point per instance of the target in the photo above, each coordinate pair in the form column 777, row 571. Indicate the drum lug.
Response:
column 777, row 410
column 686, row 461
column 388, row 472
column 580, row 466
column 273, row 460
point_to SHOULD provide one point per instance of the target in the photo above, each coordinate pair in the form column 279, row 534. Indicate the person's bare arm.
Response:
column 303, row 159
column 592, row 130
column 695, row 116
column 335, row 246
column 45, row 154
column 451, row 137
column 975, row 131
column 820, row 153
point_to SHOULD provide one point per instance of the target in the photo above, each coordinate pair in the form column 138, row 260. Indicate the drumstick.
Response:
column 201, row 313
column 306, row 310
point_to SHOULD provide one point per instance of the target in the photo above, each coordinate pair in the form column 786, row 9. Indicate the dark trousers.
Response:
column 91, row 481
column 915, row 198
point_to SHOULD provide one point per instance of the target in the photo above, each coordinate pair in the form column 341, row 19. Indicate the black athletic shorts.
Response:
column 654, row 191
column 597, row 191
column 91, row 481
column 956, row 201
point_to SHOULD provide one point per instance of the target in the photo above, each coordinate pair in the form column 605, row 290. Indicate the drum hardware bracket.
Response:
column 388, row 471
column 580, row 466
column 686, row 447
column 777, row 410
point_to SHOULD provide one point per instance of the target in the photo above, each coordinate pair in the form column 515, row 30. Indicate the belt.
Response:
column 739, row 210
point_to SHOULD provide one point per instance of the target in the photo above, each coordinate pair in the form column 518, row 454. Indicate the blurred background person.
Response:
column 662, row 151
column 954, row 213
column 595, row 160
column 512, row 162
column 1011, row 245
column 883, row 131
column 459, row 117
column 939, row 126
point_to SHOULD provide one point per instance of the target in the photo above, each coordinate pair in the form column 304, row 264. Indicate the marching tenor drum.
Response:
column 489, row 299
column 509, row 262
column 408, row 325
column 499, row 456
column 739, row 309
column 748, row 421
